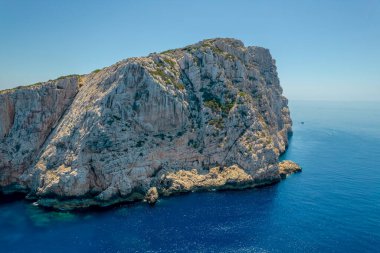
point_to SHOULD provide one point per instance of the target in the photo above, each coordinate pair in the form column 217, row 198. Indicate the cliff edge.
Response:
column 204, row 117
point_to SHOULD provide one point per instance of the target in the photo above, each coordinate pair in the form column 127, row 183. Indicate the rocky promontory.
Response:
column 205, row 117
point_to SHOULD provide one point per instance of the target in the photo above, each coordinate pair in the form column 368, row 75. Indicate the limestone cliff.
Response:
column 207, row 116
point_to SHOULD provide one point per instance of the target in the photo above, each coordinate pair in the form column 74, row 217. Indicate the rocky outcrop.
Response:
column 287, row 168
column 151, row 196
column 216, row 178
column 207, row 116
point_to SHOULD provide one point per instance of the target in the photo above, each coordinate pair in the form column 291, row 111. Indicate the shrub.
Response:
column 213, row 104
column 179, row 85
column 170, row 62
column 243, row 94
column 226, row 108
column 218, row 123
column 160, row 73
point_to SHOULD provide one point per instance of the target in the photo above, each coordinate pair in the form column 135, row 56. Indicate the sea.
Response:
column 332, row 206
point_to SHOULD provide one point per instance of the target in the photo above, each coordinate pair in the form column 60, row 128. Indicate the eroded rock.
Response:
column 207, row 116
column 152, row 196
column 288, row 167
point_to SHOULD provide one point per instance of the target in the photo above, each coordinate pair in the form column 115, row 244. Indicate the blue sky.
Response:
column 325, row 49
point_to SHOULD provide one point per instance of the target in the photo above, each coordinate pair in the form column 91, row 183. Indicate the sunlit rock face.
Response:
column 27, row 117
column 112, row 135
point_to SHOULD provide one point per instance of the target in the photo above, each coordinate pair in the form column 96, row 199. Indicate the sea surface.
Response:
column 332, row 206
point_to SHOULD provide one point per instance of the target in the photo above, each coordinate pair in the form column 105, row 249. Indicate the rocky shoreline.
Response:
column 210, row 116
column 232, row 178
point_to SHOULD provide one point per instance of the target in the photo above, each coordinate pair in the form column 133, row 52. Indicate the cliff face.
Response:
column 207, row 116
column 28, row 115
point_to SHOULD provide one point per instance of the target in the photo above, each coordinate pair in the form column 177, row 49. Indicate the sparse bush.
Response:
column 213, row 104
column 179, row 86
column 218, row 123
column 170, row 62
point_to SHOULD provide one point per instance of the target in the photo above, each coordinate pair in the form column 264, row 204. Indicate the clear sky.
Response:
column 325, row 49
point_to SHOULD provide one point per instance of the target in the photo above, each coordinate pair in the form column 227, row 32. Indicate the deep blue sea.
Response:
column 332, row 206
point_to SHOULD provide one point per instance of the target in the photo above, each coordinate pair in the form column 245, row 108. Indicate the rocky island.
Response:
column 208, row 116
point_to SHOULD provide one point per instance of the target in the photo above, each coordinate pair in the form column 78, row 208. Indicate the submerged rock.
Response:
column 207, row 116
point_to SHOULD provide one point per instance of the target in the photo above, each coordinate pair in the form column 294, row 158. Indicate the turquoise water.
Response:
column 332, row 206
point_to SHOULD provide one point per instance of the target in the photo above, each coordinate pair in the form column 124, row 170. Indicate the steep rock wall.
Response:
column 150, row 122
column 28, row 115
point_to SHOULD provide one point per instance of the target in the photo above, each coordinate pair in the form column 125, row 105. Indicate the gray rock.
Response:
column 111, row 135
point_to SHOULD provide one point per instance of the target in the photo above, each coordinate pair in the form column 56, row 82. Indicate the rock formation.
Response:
column 207, row 116
column 288, row 167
